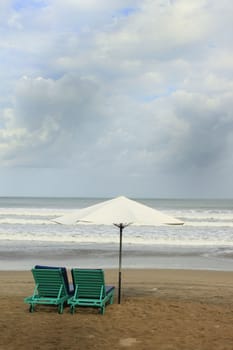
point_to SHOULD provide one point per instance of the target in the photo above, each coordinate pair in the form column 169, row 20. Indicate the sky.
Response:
column 116, row 97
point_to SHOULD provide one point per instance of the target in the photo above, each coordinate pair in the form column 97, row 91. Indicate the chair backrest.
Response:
column 90, row 283
column 49, row 282
column 64, row 272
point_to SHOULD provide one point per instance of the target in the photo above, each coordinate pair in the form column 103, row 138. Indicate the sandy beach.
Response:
column 160, row 309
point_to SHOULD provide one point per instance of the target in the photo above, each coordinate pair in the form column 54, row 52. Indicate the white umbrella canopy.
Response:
column 120, row 212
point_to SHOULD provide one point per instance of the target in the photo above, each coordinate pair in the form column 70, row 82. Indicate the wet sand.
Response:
column 160, row 309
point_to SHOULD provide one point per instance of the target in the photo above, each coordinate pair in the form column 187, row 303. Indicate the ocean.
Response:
column 28, row 236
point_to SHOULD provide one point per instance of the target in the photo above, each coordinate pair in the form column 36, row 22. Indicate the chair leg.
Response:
column 112, row 299
column 102, row 309
column 72, row 309
column 31, row 308
column 60, row 308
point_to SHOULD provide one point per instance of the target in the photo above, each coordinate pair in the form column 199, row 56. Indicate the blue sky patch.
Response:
column 127, row 11
column 22, row 4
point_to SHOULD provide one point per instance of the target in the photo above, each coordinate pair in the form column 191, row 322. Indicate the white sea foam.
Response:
column 25, row 221
column 33, row 211
column 209, row 224
column 42, row 216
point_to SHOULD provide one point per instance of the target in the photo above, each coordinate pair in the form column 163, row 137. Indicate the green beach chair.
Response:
column 90, row 289
column 50, row 289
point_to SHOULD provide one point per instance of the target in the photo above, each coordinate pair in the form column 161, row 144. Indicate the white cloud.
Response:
column 139, row 88
column 53, row 116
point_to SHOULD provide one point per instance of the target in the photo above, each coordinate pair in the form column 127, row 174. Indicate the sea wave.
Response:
column 33, row 211
column 209, row 224
column 140, row 238
column 25, row 221
column 43, row 216
column 27, row 229
column 48, row 222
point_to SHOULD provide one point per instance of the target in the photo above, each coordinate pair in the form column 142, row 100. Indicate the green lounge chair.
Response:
column 90, row 289
column 50, row 289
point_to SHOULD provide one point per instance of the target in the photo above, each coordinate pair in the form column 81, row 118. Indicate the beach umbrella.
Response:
column 121, row 212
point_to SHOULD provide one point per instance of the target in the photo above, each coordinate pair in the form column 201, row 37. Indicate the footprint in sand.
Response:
column 128, row 342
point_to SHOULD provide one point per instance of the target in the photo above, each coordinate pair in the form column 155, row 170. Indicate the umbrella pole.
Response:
column 120, row 259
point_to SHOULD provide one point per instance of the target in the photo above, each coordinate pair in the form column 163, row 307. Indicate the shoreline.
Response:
column 10, row 261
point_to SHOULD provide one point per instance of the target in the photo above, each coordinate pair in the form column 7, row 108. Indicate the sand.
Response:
column 160, row 309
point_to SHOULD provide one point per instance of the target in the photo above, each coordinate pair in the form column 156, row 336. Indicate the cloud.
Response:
column 208, row 126
column 140, row 88
column 50, row 118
